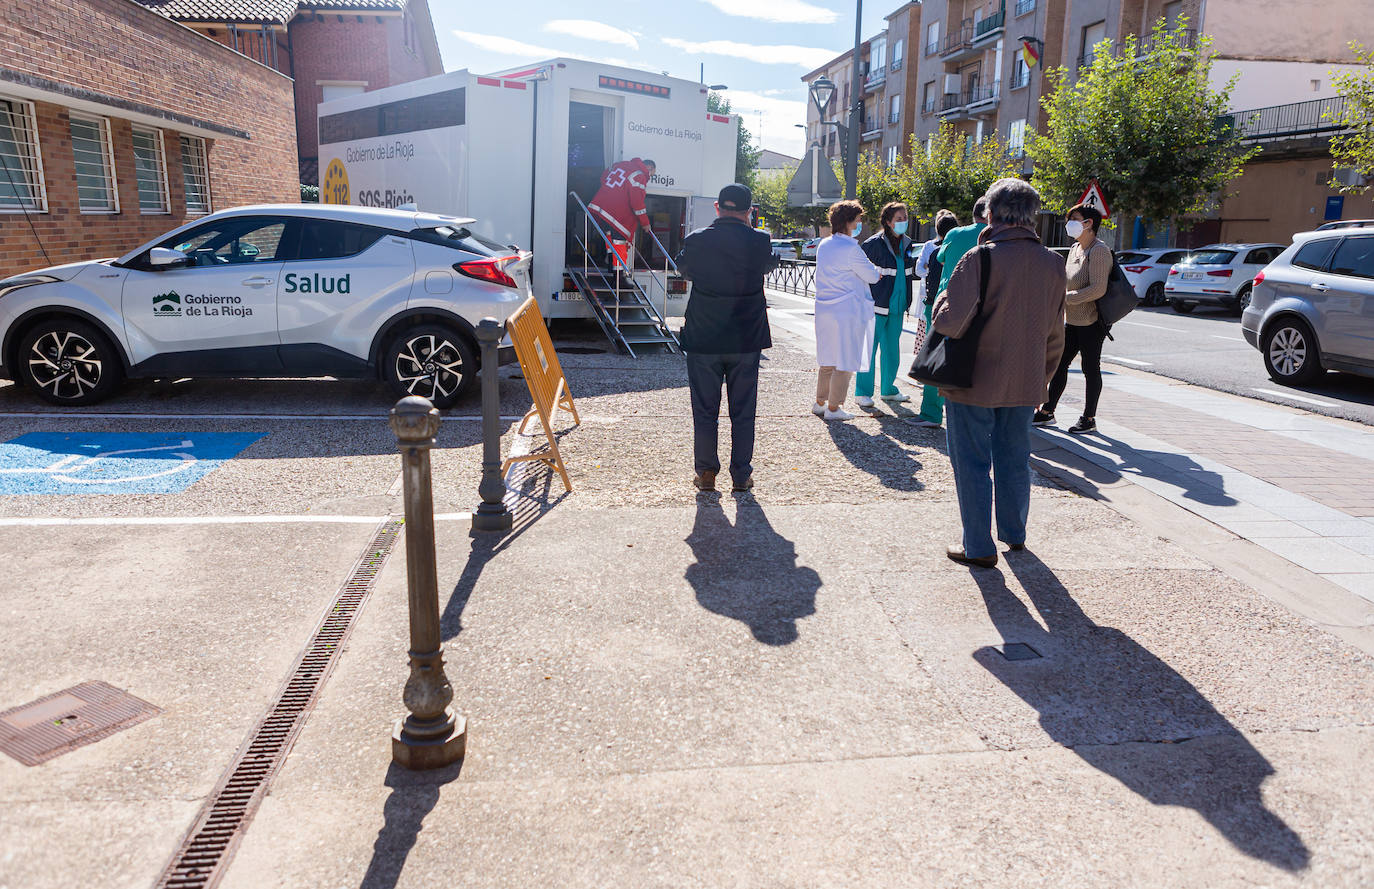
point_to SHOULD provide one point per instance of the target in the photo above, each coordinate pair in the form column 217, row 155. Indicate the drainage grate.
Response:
column 211, row 842
column 1016, row 651
column 65, row 720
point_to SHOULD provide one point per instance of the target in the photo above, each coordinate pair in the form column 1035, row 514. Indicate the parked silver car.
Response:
column 1312, row 308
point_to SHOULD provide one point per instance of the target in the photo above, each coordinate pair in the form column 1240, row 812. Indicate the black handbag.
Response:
column 948, row 362
column 1118, row 301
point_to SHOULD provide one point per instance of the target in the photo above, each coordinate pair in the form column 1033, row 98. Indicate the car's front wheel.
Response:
column 430, row 360
column 1182, row 307
column 68, row 362
column 1290, row 352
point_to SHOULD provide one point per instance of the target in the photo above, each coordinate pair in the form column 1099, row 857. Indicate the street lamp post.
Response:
column 822, row 90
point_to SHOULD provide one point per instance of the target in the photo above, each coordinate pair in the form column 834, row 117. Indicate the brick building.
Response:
column 963, row 62
column 331, row 48
column 114, row 128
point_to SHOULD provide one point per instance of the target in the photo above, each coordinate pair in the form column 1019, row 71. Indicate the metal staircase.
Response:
column 620, row 301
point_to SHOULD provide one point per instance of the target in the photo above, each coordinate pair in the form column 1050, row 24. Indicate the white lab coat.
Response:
column 844, row 304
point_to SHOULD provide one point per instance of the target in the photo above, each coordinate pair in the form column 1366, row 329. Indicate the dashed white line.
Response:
column 1130, row 361
column 1278, row 394
column 1155, row 326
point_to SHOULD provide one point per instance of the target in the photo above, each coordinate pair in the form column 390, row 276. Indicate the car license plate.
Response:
column 1193, row 276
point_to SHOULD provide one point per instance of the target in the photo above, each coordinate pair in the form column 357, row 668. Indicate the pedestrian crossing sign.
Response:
column 1092, row 197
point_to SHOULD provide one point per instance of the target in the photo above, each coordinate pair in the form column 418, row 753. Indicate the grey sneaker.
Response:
column 1084, row 425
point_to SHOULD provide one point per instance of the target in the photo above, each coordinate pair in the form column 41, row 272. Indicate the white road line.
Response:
column 1229, row 339
column 40, row 521
column 1130, row 361
column 1278, row 394
column 396, row 486
column 1155, row 326
column 81, row 415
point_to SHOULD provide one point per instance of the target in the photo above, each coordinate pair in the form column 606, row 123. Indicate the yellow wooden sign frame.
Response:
column 544, row 376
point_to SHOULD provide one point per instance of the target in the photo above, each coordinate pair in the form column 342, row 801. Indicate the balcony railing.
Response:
column 1145, row 45
column 896, row 65
column 875, row 78
column 959, row 40
column 981, row 94
column 933, row 47
column 929, row 107
column 1025, row 6
column 1313, row 118
column 893, row 117
column 990, row 24
column 1019, row 77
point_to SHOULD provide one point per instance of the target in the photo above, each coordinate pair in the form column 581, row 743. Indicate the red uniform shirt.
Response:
column 620, row 200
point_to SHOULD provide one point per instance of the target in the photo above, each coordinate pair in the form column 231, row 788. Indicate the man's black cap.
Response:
column 735, row 197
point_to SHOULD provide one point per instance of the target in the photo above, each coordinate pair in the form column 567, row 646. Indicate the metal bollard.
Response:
column 432, row 735
column 492, row 513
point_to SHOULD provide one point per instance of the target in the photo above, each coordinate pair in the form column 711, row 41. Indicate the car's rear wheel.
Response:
column 1182, row 307
column 432, row 361
column 1242, row 300
column 1154, row 296
column 1290, row 352
column 68, row 362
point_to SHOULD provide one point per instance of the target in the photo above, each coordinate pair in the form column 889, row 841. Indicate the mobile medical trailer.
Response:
column 507, row 150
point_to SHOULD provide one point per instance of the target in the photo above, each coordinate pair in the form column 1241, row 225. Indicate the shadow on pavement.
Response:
column 529, row 497
column 1198, row 484
column 880, row 455
column 748, row 571
column 1126, row 713
column 413, row 796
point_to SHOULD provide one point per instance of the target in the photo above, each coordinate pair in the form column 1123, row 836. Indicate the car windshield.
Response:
column 1210, row 257
column 464, row 239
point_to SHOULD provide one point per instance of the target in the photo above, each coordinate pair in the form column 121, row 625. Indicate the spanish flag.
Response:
column 1029, row 54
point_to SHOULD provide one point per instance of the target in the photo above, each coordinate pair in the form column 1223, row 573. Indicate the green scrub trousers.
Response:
column 887, row 338
column 932, row 405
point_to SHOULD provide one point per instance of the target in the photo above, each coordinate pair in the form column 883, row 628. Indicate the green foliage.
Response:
column 746, row 155
column 1147, row 129
column 953, row 174
column 770, row 193
column 1355, row 148
column 310, row 194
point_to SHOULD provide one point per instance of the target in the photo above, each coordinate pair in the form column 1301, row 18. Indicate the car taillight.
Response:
column 1259, row 279
column 1136, row 269
column 493, row 271
column 1221, row 273
column 1173, row 272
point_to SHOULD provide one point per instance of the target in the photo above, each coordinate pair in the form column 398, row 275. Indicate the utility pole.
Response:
column 851, row 164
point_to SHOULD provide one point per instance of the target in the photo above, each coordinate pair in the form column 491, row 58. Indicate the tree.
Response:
column 1144, row 122
column 878, row 184
column 770, row 193
column 953, row 173
column 1355, row 147
column 746, row 155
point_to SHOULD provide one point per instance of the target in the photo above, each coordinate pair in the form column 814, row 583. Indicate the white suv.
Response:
column 272, row 290
column 1218, row 274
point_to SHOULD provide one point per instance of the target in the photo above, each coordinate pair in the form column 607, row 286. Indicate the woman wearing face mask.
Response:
column 844, row 310
column 890, row 250
column 1089, row 264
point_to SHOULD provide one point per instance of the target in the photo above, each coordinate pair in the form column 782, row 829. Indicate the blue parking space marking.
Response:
column 114, row 462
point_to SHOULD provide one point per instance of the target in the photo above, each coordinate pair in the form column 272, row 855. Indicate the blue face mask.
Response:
column 899, row 227
column 858, row 227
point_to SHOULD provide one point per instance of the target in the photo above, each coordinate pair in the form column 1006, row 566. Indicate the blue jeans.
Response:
column 740, row 374
column 997, row 439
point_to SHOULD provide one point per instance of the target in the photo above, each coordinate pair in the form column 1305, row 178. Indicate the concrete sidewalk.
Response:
column 787, row 688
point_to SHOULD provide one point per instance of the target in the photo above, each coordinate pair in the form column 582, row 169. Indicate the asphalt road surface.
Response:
column 1207, row 348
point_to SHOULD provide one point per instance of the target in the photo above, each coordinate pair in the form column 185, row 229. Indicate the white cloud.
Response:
column 775, row 129
column 797, row 11
column 589, row 30
column 804, row 56
column 529, row 52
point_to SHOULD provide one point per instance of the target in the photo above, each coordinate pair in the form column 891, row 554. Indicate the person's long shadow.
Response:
column 748, row 571
column 878, row 455
column 1125, row 712
column 413, row 796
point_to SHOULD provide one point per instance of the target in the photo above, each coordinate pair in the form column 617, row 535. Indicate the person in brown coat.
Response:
column 989, row 423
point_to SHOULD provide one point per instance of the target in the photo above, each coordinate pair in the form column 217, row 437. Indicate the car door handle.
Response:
column 257, row 281
column 1317, row 285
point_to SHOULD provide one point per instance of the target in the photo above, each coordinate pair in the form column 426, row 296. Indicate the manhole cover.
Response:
column 1016, row 651
column 68, row 719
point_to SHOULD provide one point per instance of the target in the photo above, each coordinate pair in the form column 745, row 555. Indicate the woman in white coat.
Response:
column 844, row 310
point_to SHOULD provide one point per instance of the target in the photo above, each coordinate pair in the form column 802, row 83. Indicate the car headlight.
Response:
column 11, row 284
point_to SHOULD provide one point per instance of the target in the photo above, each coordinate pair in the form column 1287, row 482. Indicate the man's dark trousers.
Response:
column 740, row 373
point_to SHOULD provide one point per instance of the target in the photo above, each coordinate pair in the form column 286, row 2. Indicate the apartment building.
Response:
column 965, row 62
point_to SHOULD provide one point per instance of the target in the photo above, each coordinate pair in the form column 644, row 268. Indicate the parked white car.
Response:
column 1219, row 275
column 1147, row 268
column 808, row 250
column 273, row 290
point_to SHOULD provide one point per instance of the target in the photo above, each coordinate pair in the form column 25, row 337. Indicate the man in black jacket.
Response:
column 725, row 331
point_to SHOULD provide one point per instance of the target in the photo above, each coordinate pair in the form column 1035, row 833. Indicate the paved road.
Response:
column 1206, row 348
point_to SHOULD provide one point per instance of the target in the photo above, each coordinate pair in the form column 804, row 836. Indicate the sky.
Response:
column 758, row 48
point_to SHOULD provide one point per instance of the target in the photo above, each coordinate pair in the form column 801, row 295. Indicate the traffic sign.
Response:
column 1092, row 197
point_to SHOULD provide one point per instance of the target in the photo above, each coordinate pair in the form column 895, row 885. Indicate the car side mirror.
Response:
column 164, row 257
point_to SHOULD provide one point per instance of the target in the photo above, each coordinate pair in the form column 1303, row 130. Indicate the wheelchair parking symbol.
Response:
column 113, row 462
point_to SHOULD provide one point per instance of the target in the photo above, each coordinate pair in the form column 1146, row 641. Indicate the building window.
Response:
column 195, row 173
column 1016, row 138
column 892, row 155
column 1020, row 71
column 932, row 38
column 1092, row 35
column 94, row 159
column 1024, row 6
column 150, row 169
column 333, row 89
column 898, row 47
column 928, row 98
column 21, row 185
column 894, row 112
